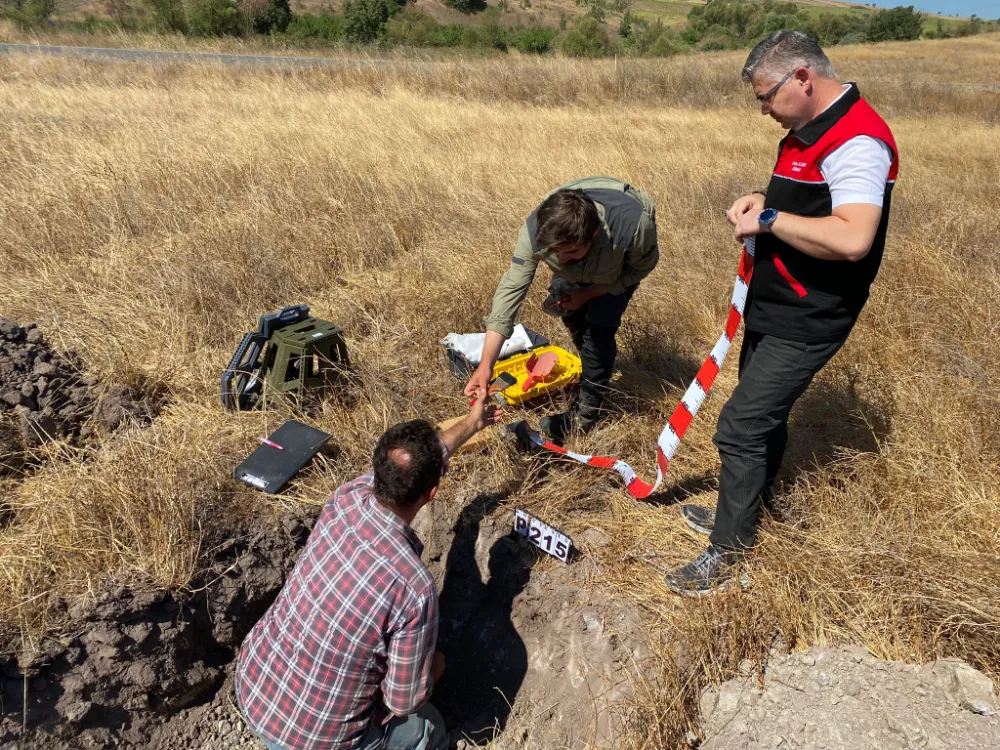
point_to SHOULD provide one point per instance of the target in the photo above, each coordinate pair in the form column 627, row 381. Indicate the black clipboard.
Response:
column 269, row 469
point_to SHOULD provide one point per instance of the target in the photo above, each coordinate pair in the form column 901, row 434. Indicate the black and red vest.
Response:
column 796, row 296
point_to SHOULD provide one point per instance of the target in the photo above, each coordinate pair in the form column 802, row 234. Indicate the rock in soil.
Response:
column 843, row 699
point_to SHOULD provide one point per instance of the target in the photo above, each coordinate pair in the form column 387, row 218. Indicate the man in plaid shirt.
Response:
column 344, row 659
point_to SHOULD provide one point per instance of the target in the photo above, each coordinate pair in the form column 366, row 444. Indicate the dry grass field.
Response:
column 150, row 213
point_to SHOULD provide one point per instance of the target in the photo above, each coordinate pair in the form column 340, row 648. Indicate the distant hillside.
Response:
column 541, row 12
column 575, row 28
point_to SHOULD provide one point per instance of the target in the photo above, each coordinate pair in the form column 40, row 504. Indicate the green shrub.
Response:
column 939, row 33
column 588, row 39
column 716, row 40
column 971, row 27
column 625, row 25
column 484, row 37
column 536, row 40
column 364, row 20
column 833, row 28
column 853, row 37
column 325, row 26
column 744, row 21
column 473, row 37
column 496, row 34
column 130, row 15
column 413, row 29
column 650, row 38
column 645, row 35
column 274, row 19
column 215, row 18
column 466, row 6
column 93, row 25
column 450, row 35
column 898, row 23
column 598, row 9
column 168, row 15
column 28, row 13
column 667, row 45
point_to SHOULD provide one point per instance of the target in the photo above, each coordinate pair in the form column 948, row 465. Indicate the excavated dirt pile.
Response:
column 134, row 660
column 43, row 397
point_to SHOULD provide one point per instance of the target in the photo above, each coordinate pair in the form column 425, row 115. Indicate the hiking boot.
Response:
column 559, row 426
column 711, row 571
column 702, row 519
column 699, row 518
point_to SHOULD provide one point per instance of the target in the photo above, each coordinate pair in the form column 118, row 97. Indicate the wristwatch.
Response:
column 766, row 218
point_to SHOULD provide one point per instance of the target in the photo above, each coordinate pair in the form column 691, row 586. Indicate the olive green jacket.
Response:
column 623, row 255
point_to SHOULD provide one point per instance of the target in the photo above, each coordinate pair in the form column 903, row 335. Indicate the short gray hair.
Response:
column 783, row 51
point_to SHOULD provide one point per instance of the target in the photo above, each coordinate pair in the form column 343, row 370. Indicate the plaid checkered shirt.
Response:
column 351, row 637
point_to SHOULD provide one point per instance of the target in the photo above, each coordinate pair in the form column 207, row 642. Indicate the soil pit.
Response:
column 135, row 660
column 536, row 657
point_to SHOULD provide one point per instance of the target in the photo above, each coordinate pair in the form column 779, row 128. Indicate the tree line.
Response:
column 717, row 25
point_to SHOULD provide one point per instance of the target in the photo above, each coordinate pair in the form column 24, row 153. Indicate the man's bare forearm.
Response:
column 828, row 237
column 457, row 434
column 491, row 349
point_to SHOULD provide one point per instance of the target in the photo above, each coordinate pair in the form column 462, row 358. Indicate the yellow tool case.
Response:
column 567, row 371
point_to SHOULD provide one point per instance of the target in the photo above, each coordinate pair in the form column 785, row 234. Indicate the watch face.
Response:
column 767, row 216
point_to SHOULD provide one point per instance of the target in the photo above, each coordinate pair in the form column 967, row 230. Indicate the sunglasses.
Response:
column 769, row 95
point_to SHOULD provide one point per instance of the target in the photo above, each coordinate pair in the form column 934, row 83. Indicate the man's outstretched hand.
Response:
column 485, row 411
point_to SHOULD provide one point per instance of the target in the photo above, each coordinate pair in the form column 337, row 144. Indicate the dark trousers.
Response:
column 753, row 429
column 593, row 327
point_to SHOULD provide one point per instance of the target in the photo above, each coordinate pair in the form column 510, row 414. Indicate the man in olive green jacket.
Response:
column 598, row 235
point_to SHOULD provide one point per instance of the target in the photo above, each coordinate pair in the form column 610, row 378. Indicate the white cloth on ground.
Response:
column 470, row 345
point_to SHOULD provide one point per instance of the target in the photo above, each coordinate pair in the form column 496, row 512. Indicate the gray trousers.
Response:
column 753, row 429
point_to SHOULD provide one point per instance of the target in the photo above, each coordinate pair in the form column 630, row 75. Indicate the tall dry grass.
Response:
column 934, row 77
column 148, row 214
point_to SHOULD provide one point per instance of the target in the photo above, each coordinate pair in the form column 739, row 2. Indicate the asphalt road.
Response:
column 153, row 55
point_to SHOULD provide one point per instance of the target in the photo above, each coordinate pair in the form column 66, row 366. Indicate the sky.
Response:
column 982, row 8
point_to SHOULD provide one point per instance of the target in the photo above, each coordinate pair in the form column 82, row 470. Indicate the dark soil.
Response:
column 134, row 659
column 45, row 398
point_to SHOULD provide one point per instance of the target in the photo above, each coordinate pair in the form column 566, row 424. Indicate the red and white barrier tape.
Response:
column 670, row 438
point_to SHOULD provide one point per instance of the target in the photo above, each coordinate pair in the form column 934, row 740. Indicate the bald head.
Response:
column 408, row 460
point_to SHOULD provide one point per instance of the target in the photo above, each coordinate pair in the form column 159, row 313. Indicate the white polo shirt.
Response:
column 857, row 171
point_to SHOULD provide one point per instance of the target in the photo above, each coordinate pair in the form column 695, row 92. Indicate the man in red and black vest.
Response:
column 820, row 233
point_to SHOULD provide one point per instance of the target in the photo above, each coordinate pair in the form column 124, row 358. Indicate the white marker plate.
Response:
column 543, row 536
